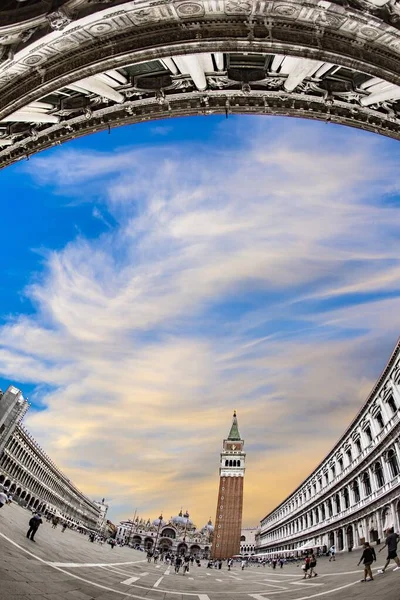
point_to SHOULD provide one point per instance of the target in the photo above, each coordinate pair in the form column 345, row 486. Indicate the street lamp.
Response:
column 160, row 520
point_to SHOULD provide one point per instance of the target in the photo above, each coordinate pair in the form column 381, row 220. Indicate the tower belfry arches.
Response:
column 89, row 66
column 228, row 520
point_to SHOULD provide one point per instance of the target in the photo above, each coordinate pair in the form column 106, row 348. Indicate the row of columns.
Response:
column 326, row 476
column 361, row 487
column 25, row 469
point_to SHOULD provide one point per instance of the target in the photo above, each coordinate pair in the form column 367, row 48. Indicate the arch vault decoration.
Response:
column 71, row 67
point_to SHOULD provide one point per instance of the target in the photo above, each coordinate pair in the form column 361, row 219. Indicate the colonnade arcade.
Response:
column 354, row 494
column 33, row 479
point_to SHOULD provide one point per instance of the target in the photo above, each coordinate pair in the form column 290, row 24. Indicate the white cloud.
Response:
column 213, row 291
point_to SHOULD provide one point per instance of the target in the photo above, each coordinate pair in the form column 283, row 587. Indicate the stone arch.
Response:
column 137, row 540
column 340, row 540
column 182, row 548
column 195, row 550
column 393, row 462
column 13, row 488
column 350, row 536
column 18, row 491
column 386, row 518
column 165, row 544
column 7, row 483
column 23, row 494
column 169, row 532
column 148, row 543
column 133, row 39
column 2, row 479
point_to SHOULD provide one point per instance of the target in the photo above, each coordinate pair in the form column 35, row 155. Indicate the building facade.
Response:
column 248, row 540
column 354, row 494
column 228, row 520
column 178, row 535
column 31, row 476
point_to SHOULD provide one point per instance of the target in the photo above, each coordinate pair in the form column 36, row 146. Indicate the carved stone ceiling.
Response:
column 70, row 67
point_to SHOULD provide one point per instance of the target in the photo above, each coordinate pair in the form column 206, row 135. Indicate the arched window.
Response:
column 230, row 463
column 337, row 500
column 323, row 512
column 329, row 503
column 234, row 463
column 356, row 491
column 367, row 484
column 238, row 463
column 346, row 498
column 380, row 480
column 227, row 463
column 393, row 463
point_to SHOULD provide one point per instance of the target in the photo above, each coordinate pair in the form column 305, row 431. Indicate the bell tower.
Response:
column 228, row 520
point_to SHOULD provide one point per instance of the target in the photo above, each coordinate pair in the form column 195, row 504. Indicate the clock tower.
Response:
column 228, row 521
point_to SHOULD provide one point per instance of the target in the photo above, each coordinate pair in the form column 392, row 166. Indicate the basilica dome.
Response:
column 182, row 520
column 209, row 528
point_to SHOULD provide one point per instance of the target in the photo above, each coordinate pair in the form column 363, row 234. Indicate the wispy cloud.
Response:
column 251, row 275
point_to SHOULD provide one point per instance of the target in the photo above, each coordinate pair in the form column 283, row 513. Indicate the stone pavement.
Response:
column 66, row 566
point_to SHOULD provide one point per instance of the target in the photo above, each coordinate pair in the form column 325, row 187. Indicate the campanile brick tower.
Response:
column 228, row 521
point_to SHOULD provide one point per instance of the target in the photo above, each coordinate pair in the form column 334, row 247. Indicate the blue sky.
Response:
column 158, row 277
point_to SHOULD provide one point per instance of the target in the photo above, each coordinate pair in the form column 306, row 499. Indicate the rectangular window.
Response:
column 326, row 478
column 368, row 433
column 349, row 456
column 379, row 420
column 392, row 404
column 358, row 445
column 340, row 461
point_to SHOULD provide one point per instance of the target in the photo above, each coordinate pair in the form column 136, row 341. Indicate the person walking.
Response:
column 3, row 499
column 313, row 564
column 186, row 564
column 34, row 523
column 243, row 564
column 367, row 557
column 230, row 563
column 178, row 564
column 391, row 542
column 306, row 566
column 332, row 552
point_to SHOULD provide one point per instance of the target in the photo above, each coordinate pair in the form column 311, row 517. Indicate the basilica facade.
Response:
column 178, row 535
column 354, row 493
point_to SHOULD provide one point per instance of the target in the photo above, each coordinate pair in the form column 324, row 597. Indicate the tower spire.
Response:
column 234, row 432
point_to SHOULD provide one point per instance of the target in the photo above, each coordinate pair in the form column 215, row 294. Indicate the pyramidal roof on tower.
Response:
column 234, row 432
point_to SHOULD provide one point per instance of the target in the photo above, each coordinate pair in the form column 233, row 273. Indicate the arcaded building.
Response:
column 30, row 475
column 354, row 494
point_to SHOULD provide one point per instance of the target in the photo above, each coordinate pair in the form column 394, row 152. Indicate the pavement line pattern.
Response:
column 130, row 595
column 157, row 583
column 130, row 580
column 49, row 564
column 303, row 583
column 233, row 577
column 167, row 572
column 220, row 580
column 271, row 585
column 84, row 565
column 119, row 571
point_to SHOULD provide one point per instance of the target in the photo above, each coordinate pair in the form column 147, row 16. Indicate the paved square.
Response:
column 66, row 566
